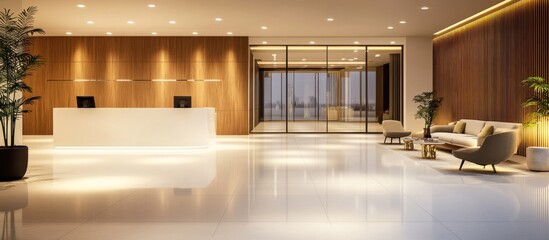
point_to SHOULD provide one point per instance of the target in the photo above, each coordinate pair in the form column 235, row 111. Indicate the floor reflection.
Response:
column 246, row 186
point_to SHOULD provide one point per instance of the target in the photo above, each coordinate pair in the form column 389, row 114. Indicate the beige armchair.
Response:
column 393, row 129
column 495, row 149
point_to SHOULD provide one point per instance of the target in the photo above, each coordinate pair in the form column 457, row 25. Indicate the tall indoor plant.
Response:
column 16, row 63
column 427, row 109
column 540, row 102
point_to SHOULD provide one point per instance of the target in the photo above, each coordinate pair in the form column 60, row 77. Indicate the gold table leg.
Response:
column 408, row 144
column 428, row 151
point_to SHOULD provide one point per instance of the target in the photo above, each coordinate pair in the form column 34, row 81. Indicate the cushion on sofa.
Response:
column 486, row 131
column 459, row 127
column 444, row 136
column 473, row 127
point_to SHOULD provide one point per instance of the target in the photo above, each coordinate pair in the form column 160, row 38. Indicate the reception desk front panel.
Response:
column 133, row 127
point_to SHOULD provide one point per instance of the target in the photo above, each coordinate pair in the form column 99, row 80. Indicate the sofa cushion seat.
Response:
column 463, row 140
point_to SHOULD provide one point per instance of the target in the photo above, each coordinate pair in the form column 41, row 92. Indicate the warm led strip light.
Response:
column 135, row 80
column 476, row 16
column 291, row 48
column 312, row 63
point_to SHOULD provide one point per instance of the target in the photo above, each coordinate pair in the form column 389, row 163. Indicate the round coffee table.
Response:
column 429, row 148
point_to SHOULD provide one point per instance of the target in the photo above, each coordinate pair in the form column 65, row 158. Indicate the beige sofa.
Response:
column 472, row 129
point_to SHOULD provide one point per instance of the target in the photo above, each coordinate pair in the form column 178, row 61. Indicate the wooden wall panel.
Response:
column 104, row 60
column 478, row 67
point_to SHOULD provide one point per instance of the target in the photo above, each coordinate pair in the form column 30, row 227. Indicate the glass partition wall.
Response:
column 339, row 89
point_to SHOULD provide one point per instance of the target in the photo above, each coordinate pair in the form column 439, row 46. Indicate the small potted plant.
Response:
column 537, row 158
column 427, row 110
column 16, row 63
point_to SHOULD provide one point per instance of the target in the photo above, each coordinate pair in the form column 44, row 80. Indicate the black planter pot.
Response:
column 13, row 162
column 427, row 132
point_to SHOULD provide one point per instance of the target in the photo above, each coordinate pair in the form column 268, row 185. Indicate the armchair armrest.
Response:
column 442, row 128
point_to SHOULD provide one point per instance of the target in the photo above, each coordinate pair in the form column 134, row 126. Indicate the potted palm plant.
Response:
column 16, row 63
column 427, row 110
column 537, row 158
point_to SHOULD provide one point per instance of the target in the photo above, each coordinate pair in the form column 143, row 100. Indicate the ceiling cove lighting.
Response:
column 476, row 16
column 81, row 5
column 316, row 48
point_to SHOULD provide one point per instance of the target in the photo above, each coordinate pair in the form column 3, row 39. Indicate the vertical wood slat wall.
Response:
column 395, row 86
column 478, row 67
column 107, row 59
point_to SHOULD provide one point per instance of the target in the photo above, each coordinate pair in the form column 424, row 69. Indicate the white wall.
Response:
column 418, row 77
column 15, row 6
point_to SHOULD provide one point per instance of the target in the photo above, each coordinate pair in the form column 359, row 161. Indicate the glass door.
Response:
column 306, row 86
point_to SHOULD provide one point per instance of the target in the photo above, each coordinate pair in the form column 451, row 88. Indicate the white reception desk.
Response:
column 133, row 127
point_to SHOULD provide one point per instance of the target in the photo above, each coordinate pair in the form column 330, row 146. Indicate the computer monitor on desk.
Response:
column 85, row 102
column 182, row 102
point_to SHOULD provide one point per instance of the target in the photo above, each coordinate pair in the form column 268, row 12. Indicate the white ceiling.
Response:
column 290, row 18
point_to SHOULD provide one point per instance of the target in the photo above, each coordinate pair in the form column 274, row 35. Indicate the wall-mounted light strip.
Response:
column 477, row 16
column 135, row 80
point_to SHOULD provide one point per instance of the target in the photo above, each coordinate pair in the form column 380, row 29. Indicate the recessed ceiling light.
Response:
column 195, row 33
column 402, row 22
column 392, row 42
column 218, row 19
column 303, row 59
column 377, row 55
column 343, row 59
column 109, row 33
column 264, row 27
column 355, row 51
column 274, row 54
column 68, row 33
column 264, row 42
column 154, row 33
column 89, row 22
column 356, row 42
column 171, row 22
column 390, row 27
column 229, row 33
column 131, row 22
column 81, row 5
column 355, row 58
column 312, row 42
column 329, row 19
column 424, row 8
column 152, row 5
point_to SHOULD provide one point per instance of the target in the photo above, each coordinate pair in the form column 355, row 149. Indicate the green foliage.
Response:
column 539, row 102
column 16, row 63
column 428, row 106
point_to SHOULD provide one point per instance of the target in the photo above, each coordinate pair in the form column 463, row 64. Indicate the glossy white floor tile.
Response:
column 270, row 186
